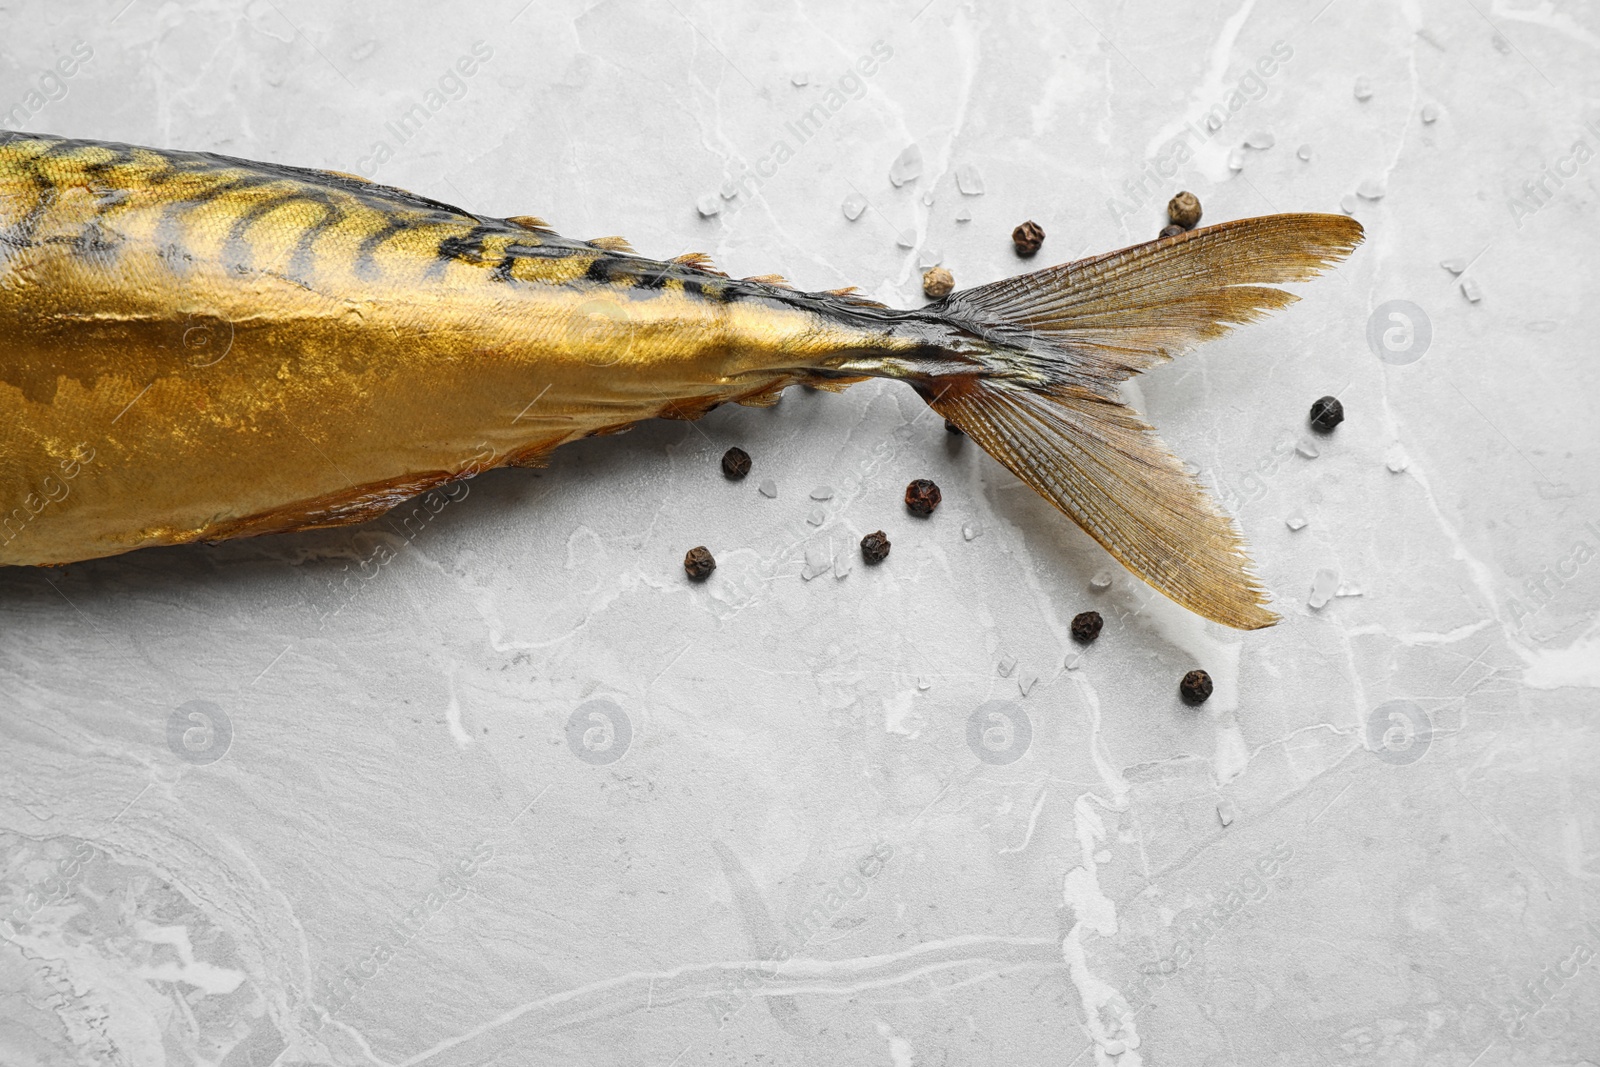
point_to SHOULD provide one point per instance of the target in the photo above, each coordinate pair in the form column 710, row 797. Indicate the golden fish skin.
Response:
column 195, row 347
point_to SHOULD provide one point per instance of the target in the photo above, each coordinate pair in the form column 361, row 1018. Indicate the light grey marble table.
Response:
column 526, row 796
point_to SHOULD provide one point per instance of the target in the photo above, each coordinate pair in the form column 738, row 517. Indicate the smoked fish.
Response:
column 195, row 347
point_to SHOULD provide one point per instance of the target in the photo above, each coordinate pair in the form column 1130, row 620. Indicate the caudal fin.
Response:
column 1046, row 403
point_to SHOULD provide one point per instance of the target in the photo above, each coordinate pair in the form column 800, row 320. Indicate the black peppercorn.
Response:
column 698, row 563
column 922, row 496
column 1086, row 626
column 875, row 547
column 1195, row 687
column 735, row 463
column 1028, row 237
column 1172, row 230
column 950, row 427
column 1326, row 413
column 1184, row 210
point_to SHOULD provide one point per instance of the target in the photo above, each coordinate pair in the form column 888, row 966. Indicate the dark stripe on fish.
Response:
column 333, row 213
column 600, row 271
column 464, row 248
column 527, row 249
column 221, row 189
column 720, row 291
column 169, row 229
column 236, row 250
column 60, row 150
column 21, row 234
column 121, row 156
column 614, row 270
column 366, row 264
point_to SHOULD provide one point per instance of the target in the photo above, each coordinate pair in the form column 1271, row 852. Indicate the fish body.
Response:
column 195, row 347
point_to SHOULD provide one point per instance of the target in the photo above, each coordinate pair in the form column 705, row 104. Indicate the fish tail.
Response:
column 1034, row 374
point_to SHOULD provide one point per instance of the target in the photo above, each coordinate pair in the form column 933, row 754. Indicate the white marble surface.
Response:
column 399, row 797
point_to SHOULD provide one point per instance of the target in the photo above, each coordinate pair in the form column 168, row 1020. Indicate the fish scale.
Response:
column 195, row 347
